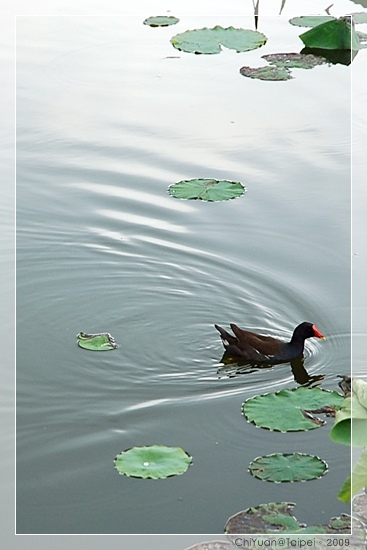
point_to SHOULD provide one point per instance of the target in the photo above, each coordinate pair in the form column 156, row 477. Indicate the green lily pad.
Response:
column 310, row 20
column 295, row 60
column 289, row 410
column 154, row 462
column 332, row 35
column 266, row 73
column 102, row 341
column 161, row 21
column 209, row 41
column 206, row 189
column 284, row 467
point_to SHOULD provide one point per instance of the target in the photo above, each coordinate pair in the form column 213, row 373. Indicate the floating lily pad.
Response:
column 161, row 21
column 338, row 34
column 102, row 341
column 266, row 73
column 310, row 20
column 295, row 60
column 289, row 410
column 209, row 41
column 206, row 189
column 282, row 467
column 155, row 462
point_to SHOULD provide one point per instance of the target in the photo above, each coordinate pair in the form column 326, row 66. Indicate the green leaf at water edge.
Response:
column 102, row 341
column 310, row 20
column 332, row 35
column 206, row 189
column 154, row 462
column 210, row 41
column 285, row 467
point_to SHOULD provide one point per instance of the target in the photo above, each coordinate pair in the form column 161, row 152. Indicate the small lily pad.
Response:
column 161, row 21
column 209, row 41
column 284, row 467
column 206, row 189
column 310, row 20
column 102, row 341
column 294, row 60
column 266, row 73
column 338, row 34
column 284, row 411
column 154, row 462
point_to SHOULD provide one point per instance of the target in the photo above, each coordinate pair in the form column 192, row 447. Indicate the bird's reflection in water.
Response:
column 233, row 367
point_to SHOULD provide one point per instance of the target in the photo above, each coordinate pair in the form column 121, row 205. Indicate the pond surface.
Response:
column 108, row 116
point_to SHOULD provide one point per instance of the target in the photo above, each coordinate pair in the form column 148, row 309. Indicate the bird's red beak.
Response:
column 317, row 333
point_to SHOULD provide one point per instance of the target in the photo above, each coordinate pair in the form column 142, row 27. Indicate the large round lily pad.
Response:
column 155, row 462
column 290, row 410
column 161, row 21
column 284, row 467
column 102, row 341
column 209, row 41
column 206, row 189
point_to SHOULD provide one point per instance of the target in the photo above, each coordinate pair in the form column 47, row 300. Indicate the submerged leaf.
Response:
column 295, row 60
column 206, row 189
column 102, row 341
column 161, row 21
column 266, row 73
column 282, row 411
column 209, row 41
column 281, row 467
column 155, row 462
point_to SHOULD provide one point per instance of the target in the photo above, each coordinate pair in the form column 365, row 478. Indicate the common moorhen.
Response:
column 265, row 349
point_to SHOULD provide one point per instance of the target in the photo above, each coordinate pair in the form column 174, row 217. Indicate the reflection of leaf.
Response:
column 282, row 467
column 156, row 462
column 102, row 341
column 282, row 411
column 209, row 41
column 206, row 189
column 332, row 35
column 161, row 21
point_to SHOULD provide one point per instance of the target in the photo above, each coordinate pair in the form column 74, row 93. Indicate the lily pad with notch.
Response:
column 154, row 462
column 287, row 467
column 210, row 41
column 102, row 341
column 283, row 411
column 206, row 189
